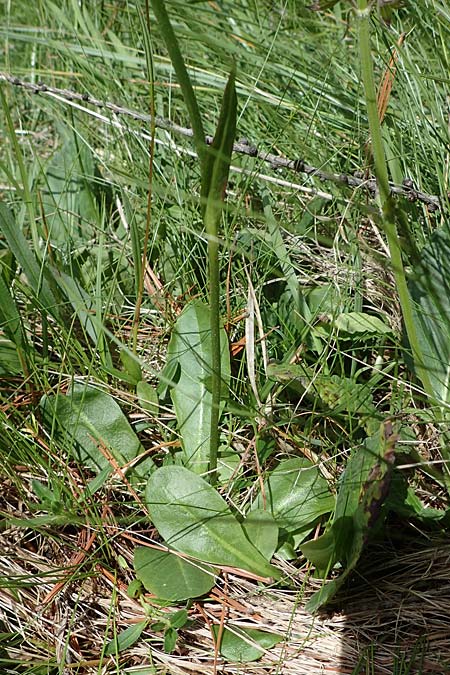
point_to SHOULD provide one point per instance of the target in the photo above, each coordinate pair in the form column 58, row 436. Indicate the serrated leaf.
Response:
column 190, row 349
column 170, row 577
column 244, row 645
column 296, row 494
column 126, row 639
column 193, row 518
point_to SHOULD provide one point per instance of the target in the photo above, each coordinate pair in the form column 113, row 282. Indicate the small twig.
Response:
column 76, row 561
column 407, row 189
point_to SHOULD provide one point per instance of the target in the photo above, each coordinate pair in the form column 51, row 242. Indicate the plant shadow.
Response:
column 396, row 609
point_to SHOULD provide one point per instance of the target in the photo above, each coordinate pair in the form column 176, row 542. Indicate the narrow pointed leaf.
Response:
column 26, row 259
column 430, row 290
column 219, row 155
column 126, row 639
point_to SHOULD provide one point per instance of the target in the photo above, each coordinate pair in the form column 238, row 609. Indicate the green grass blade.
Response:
column 20, row 248
column 11, row 323
column 25, row 187
column 184, row 80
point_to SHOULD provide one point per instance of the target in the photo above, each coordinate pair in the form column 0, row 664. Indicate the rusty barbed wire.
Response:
column 243, row 147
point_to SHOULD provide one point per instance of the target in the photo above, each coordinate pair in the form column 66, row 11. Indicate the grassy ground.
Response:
column 302, row 264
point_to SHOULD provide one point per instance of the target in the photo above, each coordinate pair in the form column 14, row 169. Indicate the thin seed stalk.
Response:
column 216, row 379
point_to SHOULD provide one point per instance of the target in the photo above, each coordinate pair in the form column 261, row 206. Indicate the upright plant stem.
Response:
column 386, row 201
column 145, row 23
column 216, row 358
column 214, row 167
column 213, row 190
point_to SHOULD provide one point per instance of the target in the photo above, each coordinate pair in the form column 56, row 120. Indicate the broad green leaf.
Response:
column 323, row 300
column 279, row 248
column 43, row 492
column 321, row 552
column 262, row 530
column 229, row 465
column 74, row 188
column 179, row 619
column 404, row 501
column 10, row 363
column 135, row 588
column 168, row 377
column 88, row 417
column 430, row 290
column 170, row 577
column 148, row 397
column 126, row 639
column 360, row 322
column 287, row 551
column 190, row 349
column 326, row 593
column 244, row 645
column 193, row 518
column 131, row 365
column 83, row 305
column 33, row 271
column 289, row 544
column 296, row 495
column 336, row 543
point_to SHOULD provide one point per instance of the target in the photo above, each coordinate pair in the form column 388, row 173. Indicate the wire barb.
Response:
column 243, row 147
